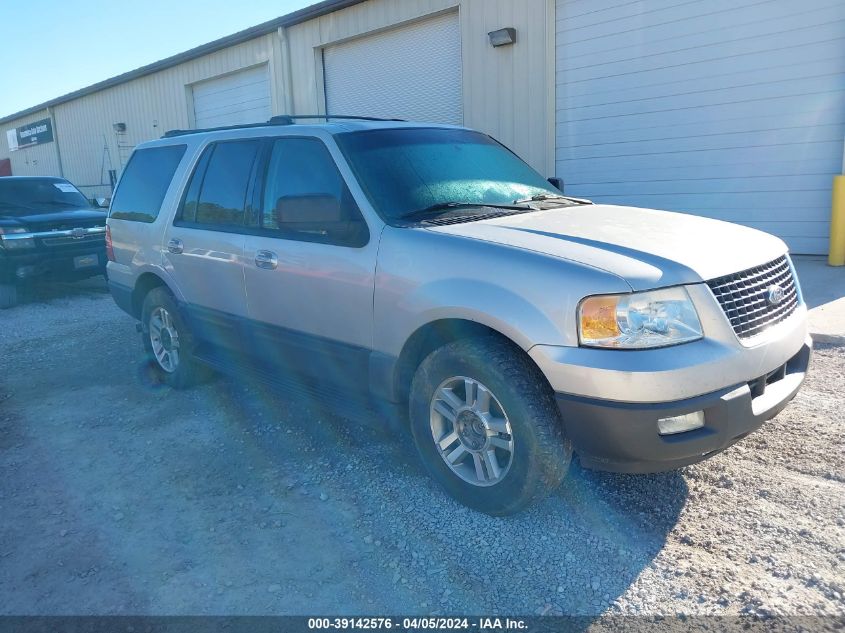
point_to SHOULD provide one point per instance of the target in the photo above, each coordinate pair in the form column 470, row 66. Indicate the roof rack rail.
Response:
column 281, row 119
column 288, row 119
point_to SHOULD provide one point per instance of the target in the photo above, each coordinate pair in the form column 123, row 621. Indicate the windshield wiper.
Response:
column 551, row 196
column 439, row 207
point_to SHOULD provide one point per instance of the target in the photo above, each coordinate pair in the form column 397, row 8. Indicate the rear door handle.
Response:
column 175, row 246
column 267, row 260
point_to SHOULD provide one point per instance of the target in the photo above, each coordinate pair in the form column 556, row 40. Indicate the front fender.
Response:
column 531, row 298
column 485, row 303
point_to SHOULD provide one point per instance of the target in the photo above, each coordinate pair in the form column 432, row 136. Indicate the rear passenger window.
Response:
column 217, row 193
column 144, row 183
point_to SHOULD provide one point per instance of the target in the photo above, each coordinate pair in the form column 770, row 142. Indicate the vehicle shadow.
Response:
column 46, row 291
column 573, row 553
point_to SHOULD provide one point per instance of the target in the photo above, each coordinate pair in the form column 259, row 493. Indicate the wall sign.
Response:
column 35, row 133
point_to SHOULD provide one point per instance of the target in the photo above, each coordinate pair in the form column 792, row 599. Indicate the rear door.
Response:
column 204, row 248
column 309, row 266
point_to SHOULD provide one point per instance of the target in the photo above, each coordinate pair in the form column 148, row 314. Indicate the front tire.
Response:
column 168, row 341
column 485, row 423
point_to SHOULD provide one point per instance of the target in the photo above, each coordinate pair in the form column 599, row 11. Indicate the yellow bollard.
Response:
column 837, row 223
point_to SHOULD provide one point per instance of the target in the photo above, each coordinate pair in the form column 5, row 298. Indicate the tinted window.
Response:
column 144, row 183
column 217, row 193
column 28, row 196
column 306, row 198
column 403, row 170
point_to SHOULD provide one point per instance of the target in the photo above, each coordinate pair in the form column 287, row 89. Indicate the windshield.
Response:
column 405, row 170
column 38, row 195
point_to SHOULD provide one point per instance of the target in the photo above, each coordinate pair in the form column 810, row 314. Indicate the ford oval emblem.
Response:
column 774, row 294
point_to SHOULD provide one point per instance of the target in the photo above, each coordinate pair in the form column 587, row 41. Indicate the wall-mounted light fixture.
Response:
column 119, row 128
column 502, row 37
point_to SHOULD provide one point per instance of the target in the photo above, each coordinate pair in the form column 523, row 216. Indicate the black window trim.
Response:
column 258, row 199
column 253, row 203
column 208, row 149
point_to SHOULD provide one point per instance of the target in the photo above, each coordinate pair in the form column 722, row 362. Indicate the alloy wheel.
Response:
column 471, row 430
column 164, row 339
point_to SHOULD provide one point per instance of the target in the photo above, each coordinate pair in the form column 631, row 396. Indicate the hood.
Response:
column 69, row 218
column 647, row 248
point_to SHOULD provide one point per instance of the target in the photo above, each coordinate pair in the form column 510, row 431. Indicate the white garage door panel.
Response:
column 412, row 72
column 729, row 109
column 242, row 97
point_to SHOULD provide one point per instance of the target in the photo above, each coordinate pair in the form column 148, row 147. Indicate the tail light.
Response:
column 109, row 248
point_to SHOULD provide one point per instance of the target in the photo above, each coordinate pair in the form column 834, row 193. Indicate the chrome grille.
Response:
column 744, row 296
column 85, row 239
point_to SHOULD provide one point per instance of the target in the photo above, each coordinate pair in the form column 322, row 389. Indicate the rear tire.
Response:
column 499, row 448
column 169, row 342
column 8, row 296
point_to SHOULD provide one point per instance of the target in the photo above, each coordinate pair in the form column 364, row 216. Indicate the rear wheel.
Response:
column 168, row 341
column 486, row 425
column 8, row 295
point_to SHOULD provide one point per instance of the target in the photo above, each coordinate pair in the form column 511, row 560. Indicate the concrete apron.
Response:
column 823, row 287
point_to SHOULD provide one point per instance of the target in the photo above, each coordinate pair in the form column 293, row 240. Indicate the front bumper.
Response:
column 58, row 262
column 623, row 437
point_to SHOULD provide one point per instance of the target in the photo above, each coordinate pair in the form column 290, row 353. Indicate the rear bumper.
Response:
column 623, row 437
column 122, row 296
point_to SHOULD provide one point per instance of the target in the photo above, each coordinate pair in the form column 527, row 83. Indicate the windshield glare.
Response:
column 404, row 170
column 38, row 195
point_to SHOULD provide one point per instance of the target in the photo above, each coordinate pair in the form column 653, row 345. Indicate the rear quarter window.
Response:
column 144, row 183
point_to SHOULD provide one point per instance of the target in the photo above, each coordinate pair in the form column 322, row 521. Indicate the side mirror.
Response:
column 102, row 203
column 557, row 183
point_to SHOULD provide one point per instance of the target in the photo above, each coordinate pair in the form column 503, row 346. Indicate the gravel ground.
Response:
column 118, row 497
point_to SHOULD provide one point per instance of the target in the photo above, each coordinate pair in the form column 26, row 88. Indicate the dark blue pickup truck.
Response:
column 47, row 228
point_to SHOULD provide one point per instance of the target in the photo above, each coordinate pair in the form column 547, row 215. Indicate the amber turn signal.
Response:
column 598, row 318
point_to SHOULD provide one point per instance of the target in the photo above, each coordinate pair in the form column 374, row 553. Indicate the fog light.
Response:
column 680, row 423
column 26, row 242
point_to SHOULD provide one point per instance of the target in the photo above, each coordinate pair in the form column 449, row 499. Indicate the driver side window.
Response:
column 305, row 197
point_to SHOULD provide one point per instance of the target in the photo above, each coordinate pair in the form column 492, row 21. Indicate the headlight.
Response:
column 13, row 243
column 639, row 320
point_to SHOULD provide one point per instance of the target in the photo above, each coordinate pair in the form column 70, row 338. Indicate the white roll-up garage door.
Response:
column 733, row 109
column 233, row 99
column 412, row 72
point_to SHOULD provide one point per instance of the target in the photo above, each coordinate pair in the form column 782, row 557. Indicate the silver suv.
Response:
column 428, row 267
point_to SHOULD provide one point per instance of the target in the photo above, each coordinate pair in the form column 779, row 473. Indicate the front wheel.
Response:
column 485, row 423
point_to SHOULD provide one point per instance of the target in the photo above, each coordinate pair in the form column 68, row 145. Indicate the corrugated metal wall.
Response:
column 149, row 106
column 506, row 91
column 733, row 109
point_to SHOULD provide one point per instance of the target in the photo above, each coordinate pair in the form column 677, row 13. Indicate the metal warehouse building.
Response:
column 733, row 109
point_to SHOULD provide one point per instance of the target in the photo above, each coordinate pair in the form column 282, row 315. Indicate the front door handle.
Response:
column 266, row 259
column 175, row 246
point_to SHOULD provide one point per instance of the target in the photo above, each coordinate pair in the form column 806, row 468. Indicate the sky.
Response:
column 51, row 47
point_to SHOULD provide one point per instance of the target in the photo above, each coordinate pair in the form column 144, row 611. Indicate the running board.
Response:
column 349, row 403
